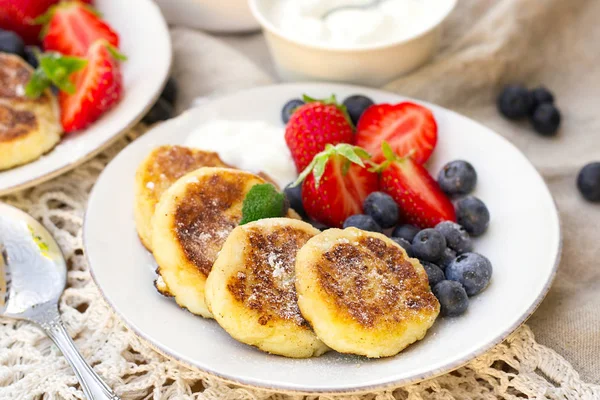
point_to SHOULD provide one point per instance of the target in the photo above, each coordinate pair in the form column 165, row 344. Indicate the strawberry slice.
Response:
column 409, row 129
column 336, row 184
column 98, row 87
column 18, row 16
column 72, row 27
column 419, row 197
column 313, row 126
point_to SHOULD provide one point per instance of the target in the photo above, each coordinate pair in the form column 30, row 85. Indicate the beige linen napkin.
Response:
column 486, row 44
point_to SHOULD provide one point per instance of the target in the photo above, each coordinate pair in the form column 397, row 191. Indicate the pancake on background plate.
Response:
column 29, row 128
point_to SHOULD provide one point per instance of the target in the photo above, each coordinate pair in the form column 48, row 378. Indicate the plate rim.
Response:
column 161, row 349
column 54, row 173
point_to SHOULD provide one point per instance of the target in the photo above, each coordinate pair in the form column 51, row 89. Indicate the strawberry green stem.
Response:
column 352, row 154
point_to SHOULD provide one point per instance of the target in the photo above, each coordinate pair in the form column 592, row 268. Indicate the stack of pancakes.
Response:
column 278, row 284
column 28, row 127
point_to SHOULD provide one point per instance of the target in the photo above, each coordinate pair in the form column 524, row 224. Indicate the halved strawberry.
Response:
column 419, row 197
column 18, row 16
column 314, row 125
column 72, row 27
column 409, row 129
column 336, row 184
column 98, row 88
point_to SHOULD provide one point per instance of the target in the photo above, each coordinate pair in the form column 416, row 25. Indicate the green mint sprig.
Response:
column 263, row 201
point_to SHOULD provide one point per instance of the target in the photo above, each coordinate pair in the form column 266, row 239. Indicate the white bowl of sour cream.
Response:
column 364, row 46
column 222, row 16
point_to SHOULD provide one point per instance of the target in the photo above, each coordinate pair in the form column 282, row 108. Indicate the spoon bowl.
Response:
column 33, row 276
column 37, row 272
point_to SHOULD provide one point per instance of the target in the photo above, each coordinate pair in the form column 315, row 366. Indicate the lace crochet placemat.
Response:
column 31, row 367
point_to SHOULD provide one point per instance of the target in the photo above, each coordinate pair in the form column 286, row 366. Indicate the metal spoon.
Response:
column 368, row 4
column 33, row 275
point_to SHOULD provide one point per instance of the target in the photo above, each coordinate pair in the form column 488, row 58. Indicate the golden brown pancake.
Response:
column 192, row 220
column 28, row 127
column 362, row 294
column 251, row 293
column 159, row 170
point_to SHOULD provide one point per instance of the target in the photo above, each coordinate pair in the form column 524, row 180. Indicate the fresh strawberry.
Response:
column 314, row 125
column 420, row 199
column 409, row 128
column 98, row 87
column 19, row 15
column 336, row 184
column 72, row 27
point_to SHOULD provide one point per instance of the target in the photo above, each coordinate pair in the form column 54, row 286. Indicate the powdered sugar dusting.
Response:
column 269, row 283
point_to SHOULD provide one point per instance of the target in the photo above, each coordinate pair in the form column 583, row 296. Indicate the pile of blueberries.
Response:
column 516, row 102
column 446, row 252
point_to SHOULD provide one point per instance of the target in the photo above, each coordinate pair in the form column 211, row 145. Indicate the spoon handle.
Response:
column 93, row 386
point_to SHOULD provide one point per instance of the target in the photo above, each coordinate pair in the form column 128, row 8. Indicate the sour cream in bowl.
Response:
column 358, row 45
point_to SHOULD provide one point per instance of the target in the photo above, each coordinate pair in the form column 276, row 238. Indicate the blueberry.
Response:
column 472, row 270
column 428, row 245
column 382, row 208
column 294, row 196
column 160, row 111
column 514, row 102
column 457, row 238
column 31, row 56
column 588, row 182
column 364, row 222
column 473, row 215
column 452, row 297
column 11, row 43
column 540, row 95
column 447, row 257
column 405, row 244
column 170, row 91
column 546, row 119
column 407, row 232
column 457, row 177
column 434, row 273
column 356, row 106
column 289, row 108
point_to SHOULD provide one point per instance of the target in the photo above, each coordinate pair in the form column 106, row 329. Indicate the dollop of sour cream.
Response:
column 391, row 20
column 254, row 146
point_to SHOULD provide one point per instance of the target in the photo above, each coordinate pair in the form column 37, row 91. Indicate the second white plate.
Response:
column 523, row 243
column 147, row 45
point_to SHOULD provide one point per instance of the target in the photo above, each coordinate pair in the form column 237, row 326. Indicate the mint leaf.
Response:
column 58, row 69
column 263, row 201
column 37, row 84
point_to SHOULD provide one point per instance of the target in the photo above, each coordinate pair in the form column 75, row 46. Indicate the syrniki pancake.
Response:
column 251, row 291
column 190, row 224
column 362, row 294
column 29, row 128
column 159, row 170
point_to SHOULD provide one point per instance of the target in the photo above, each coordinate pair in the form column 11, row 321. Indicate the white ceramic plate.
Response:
column 147, row 45
column 523, row 243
